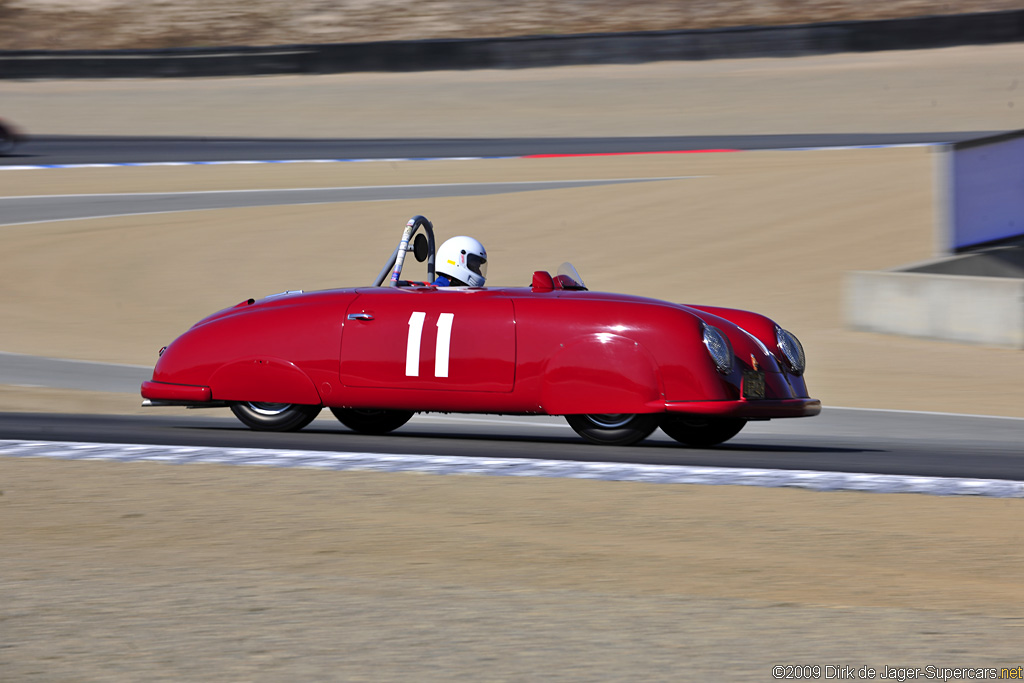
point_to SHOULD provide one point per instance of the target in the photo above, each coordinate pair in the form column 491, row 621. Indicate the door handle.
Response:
column 360, row 316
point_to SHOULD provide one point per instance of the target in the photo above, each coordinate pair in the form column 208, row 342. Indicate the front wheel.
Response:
column 274, row 417
column 614, row 429
column 367, row 421
column 701, row 431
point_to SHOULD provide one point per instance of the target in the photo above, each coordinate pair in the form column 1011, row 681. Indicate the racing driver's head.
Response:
column 463, row 260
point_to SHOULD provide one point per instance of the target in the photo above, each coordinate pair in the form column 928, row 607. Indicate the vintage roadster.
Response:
column 616, row 366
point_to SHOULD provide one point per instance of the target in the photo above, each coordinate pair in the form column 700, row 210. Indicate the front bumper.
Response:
column 759, row 409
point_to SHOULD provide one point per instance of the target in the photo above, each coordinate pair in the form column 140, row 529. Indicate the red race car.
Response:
column 616, row 366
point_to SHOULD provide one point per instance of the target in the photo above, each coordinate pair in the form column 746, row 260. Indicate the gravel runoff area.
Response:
column 144, row 571
column 96, row 24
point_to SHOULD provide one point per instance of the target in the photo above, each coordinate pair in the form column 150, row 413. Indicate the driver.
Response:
column 461, row 262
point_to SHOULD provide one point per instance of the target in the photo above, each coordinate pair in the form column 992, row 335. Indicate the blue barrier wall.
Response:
column 985, row 187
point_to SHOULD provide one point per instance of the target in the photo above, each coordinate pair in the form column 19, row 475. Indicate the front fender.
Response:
column 601, row 373
column 262, row 378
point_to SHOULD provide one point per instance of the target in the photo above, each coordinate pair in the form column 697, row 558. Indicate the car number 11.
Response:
column 444, row 342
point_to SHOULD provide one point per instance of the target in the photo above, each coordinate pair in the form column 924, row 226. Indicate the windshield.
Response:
column 569, row 277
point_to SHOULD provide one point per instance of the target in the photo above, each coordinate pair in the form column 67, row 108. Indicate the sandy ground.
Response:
column 955, row 89
column 147, row 572
column 127, row 572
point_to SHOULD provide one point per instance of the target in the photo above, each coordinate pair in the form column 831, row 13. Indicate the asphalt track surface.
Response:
column 840, row 440
column 50, row 150
column 58, row 373
column 45, row 208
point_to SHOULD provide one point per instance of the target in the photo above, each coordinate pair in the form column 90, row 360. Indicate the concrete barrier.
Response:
column 976, row 293
column 959, row 308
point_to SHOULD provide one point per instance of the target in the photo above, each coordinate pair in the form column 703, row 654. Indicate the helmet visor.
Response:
column 477, row 264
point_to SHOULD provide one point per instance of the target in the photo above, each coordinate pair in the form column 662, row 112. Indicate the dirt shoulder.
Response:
column 244, row 573
column 974, row 88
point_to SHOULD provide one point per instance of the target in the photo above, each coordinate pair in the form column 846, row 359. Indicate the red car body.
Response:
column 552, row 348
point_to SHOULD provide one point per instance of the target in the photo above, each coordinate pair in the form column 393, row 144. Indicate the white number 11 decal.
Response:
column 444, row 343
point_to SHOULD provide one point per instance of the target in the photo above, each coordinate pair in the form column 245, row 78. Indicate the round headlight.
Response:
column 719, row 347
column 792, row 349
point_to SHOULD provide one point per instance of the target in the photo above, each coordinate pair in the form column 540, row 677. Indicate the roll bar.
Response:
column 397, row 260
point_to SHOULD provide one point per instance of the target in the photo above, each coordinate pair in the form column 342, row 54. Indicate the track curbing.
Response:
column 563, row 469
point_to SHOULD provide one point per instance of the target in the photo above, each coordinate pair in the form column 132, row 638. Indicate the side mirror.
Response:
column 419, row 247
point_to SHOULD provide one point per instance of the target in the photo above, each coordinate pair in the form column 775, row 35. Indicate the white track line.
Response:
column 75, row 360
column 623, row 181
column 513, row 467
column 150, row 213
column 470, row 158
column 922, row 412
column 553, row 185
column 238, row 162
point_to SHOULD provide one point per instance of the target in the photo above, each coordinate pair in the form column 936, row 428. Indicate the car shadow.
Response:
column 418, row 435
column 322, row 435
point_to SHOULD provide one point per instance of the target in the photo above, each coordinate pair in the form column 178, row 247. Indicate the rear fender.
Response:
column 265, row 379
column 601, row 373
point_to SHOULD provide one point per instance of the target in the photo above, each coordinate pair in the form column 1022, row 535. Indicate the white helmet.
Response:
column 463, row 260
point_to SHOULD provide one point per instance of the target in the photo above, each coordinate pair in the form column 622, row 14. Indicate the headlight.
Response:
column 792, row 349
column 719, row 347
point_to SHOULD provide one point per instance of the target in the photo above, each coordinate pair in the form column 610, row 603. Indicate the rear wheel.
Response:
column 701, row 431
column 614, row 429
column 369, row 421
column 274, row 417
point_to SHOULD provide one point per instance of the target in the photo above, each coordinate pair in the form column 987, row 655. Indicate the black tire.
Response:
column 275, row 417
column 371, row 421
column 616, row 429
column 701, row 431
